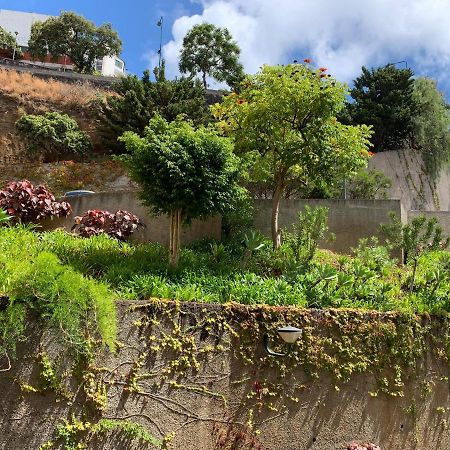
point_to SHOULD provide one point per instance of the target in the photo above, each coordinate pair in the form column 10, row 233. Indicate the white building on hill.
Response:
column 19, row 24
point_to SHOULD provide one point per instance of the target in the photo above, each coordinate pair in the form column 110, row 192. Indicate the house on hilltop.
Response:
column 19, row 23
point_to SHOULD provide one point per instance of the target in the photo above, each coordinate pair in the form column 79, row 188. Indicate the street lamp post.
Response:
column 15, row 45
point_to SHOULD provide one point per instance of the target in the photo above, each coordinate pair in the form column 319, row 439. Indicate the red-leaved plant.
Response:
column 119, row 225
column 26, row 203
column 368, row 446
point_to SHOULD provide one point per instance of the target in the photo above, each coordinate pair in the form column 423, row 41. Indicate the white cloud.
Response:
column 342, row 35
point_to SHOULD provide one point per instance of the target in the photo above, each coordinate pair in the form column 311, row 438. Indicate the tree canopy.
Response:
column 431, row 135
column 185, row 172
column 139, row 99
column 76, row 37
column 9, row 42
column 211, row 51
column 283, row 121
column 383, row 98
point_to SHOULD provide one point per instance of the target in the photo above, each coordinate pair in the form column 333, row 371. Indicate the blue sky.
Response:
column 341, row 35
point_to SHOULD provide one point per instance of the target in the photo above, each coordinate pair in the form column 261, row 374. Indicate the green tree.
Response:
column 76, row 37
column 284, row 122
column 211, row 51
column 139, row 99
column 383, row 98
column 8, row 42
column 185, row 172
column 431, row 123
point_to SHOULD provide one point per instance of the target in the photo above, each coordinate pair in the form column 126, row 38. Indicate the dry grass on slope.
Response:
column 27, row 87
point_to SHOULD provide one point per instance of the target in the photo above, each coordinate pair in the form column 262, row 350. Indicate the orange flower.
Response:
column 323, row 69
column 370, row 154
column 307, row 60
column 322, row 75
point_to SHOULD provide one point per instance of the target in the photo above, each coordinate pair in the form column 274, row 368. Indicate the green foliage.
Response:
column 383, row 98
column 139, row 99
column 211, row 51
column 368, row 184
column 431, row 135
column 311, row 227
column 34, row 279
column 52, row 135
column 417, row 237
column 179, row 167
column 283, row 121
column 4, row 217
column 186, row 172
column 9, row 42
column 74, row 36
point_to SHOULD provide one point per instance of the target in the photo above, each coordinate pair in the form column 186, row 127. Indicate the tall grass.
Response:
column 25, row 86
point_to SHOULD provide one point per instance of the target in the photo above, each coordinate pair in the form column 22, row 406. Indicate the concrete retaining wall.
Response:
column 209, row 403
column 156, row 228
column 349, row 220
column 410, row 183
column 443, row 218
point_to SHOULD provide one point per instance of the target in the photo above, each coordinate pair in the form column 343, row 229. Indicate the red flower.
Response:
column 322, row 75
column 323, row 69
column 307, row 60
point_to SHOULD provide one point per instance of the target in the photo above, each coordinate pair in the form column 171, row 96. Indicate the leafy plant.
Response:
column 415, row 238
column 185, row 172
column 253, row 241
column 52, row 134
column 368, row 184
column 311, row 227
column 119, row 225
column 4, row 217
column 26, row 203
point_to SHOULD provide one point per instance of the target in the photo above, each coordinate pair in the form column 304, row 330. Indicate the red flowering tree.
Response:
column 284, row 122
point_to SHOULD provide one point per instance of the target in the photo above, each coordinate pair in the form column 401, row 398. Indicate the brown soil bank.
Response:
column 196, row 376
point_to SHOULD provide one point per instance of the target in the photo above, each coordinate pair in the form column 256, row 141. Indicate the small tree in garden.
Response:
column 185, row 172
column 26, row 203
column 211, row 51
column 120, row 225
column 284, row 121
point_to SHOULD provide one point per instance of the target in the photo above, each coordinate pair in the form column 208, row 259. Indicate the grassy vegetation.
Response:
column 22, row 85
column 71, row 282
column 213, row 272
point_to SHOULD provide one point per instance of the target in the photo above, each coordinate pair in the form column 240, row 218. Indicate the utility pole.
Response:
column 15, row 45
column 160, row 25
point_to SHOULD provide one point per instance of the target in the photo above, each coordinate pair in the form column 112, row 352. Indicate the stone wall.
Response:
column 223, row 402
column 349, row 220
column 410, row 183
column 156, row 229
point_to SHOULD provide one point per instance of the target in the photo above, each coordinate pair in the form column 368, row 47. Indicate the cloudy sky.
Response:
column 341, row 35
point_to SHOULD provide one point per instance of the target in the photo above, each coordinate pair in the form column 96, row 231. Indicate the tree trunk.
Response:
column 204, row 79
column 279, row 188
column 175, row 229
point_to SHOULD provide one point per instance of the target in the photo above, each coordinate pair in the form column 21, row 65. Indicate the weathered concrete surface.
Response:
column 326, row 417
column 156, row 229
column 410, row 183
column 349, row 220
column 443, row 218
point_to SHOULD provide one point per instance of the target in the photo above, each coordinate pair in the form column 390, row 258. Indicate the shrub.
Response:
column 120, row 225
column 29, row 204
column 311, row 227
column 53, row 134
column 368, row 184
column 34, row 278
